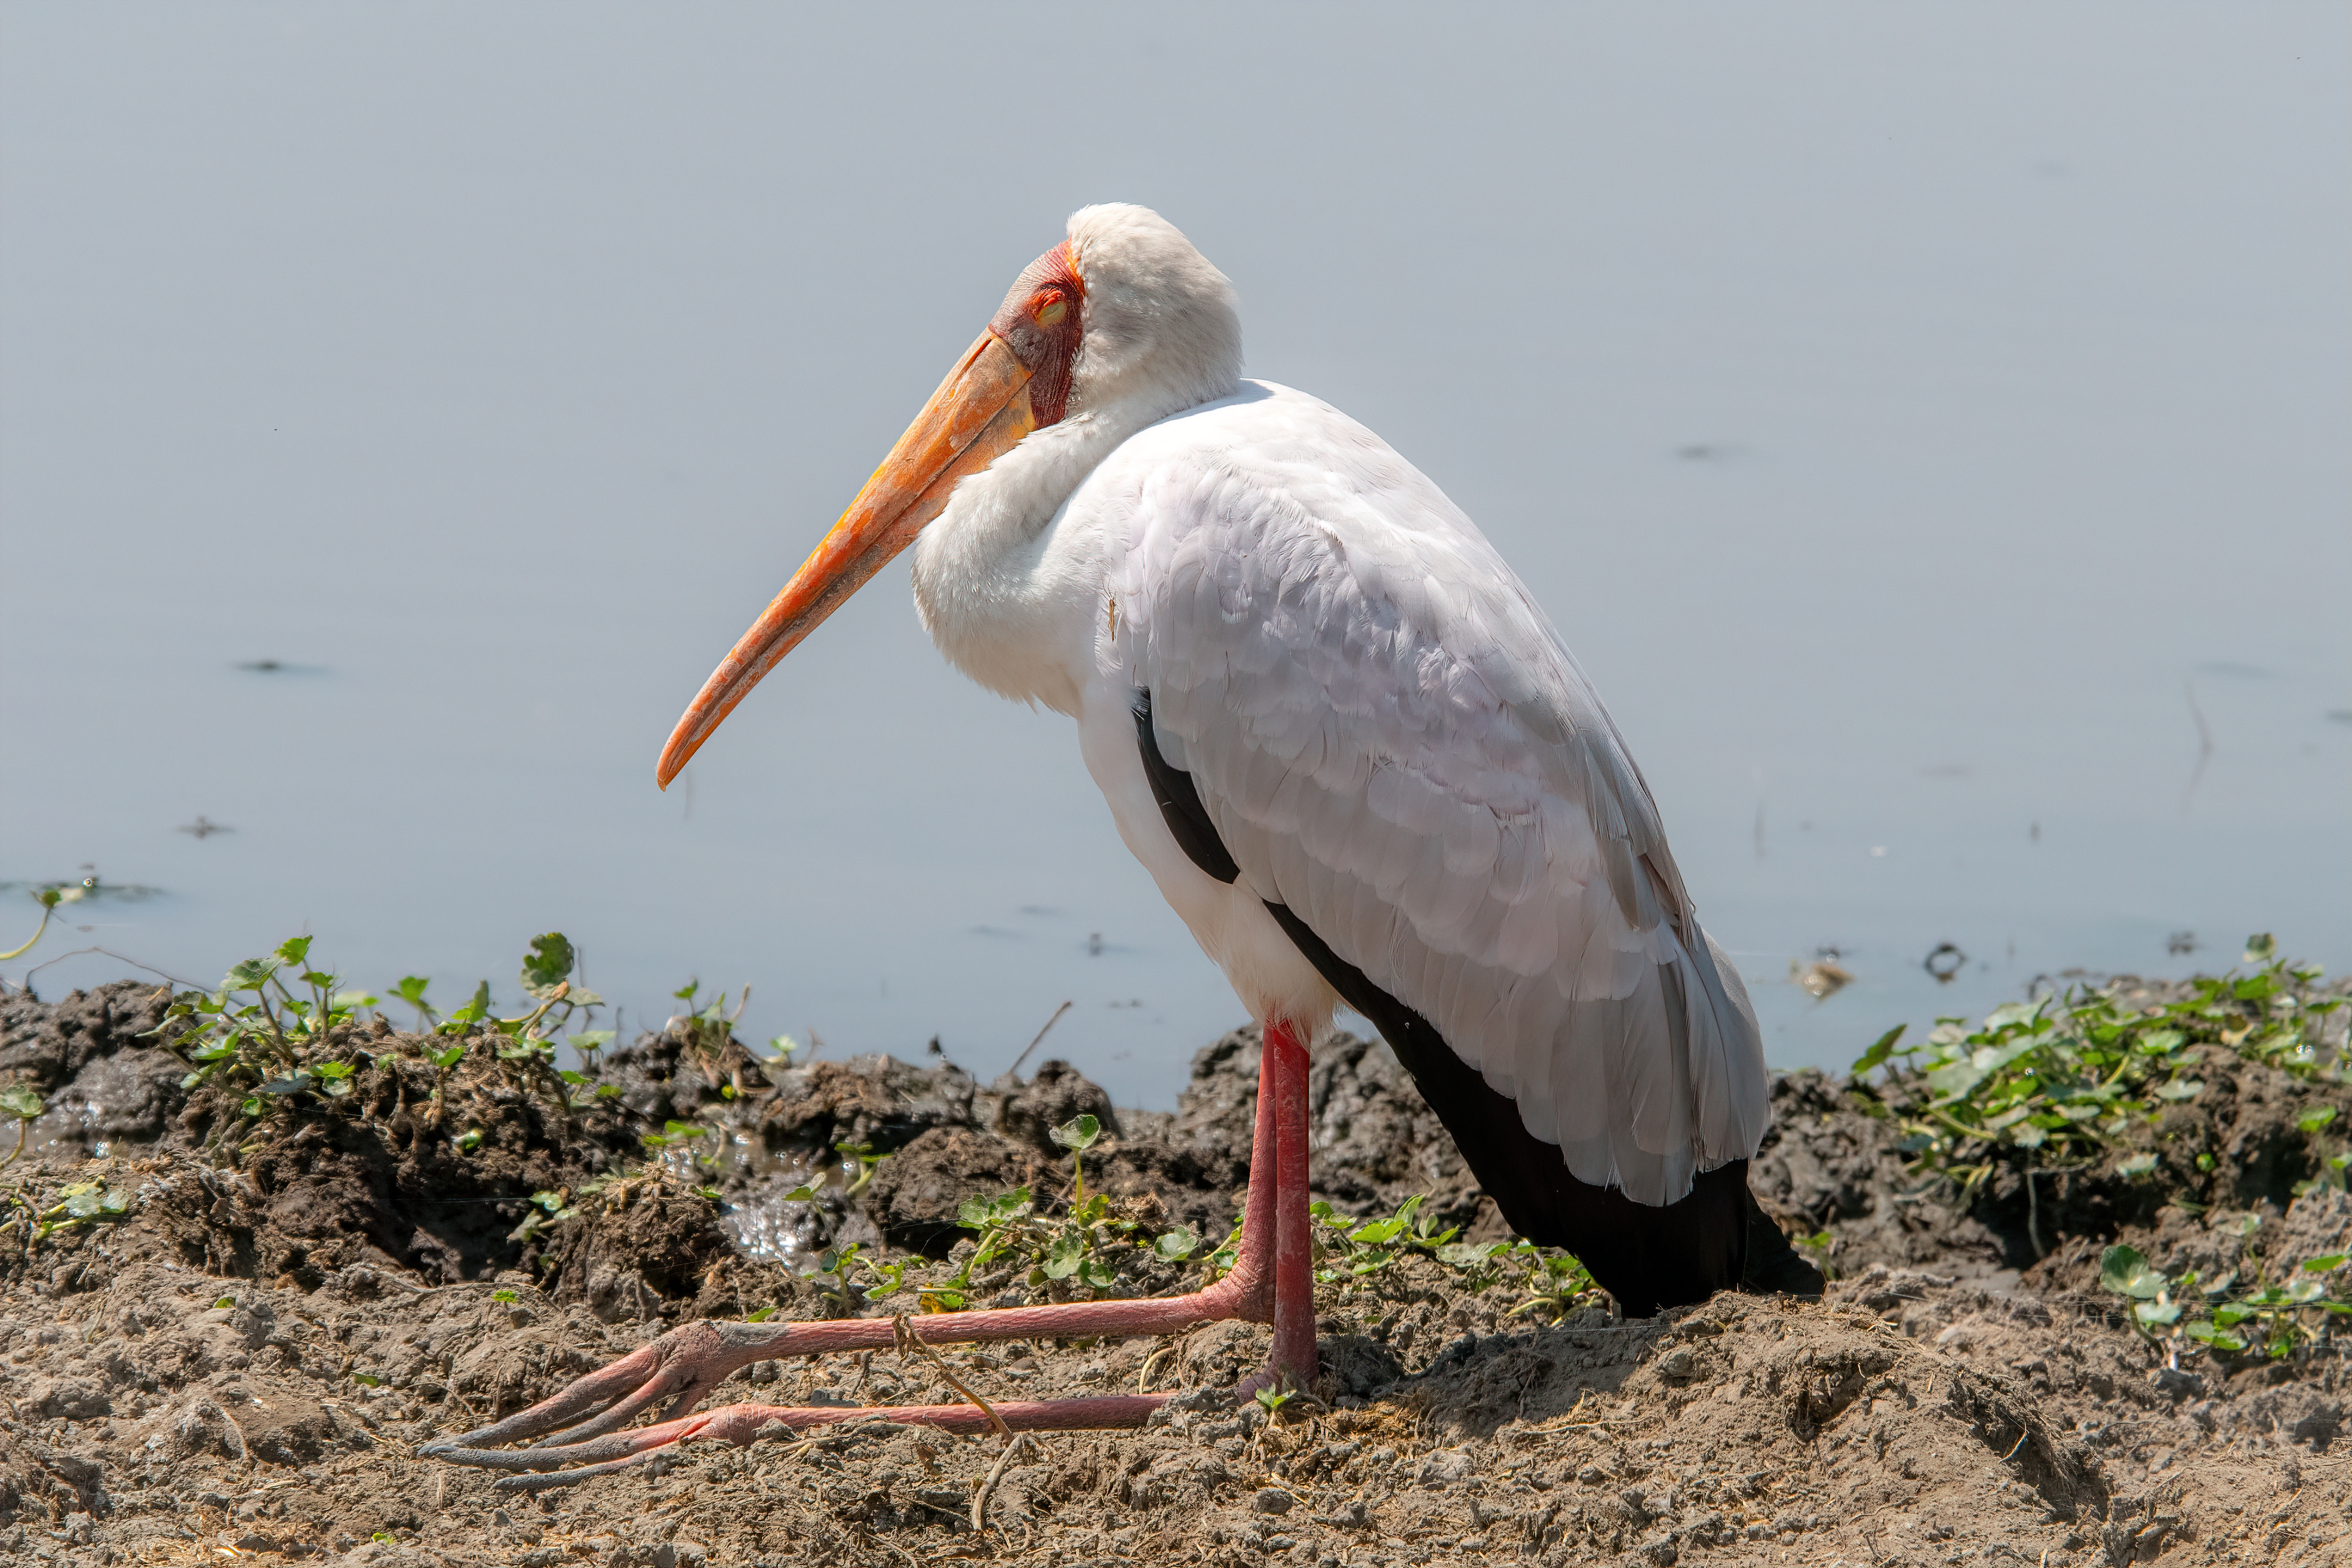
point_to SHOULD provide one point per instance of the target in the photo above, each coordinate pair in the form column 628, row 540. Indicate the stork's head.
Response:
column 1123, row 317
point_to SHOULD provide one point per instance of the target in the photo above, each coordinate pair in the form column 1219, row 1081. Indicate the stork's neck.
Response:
column 1007, row 587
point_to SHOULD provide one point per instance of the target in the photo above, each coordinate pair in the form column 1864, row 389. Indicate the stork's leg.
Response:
column 1272, row 1281
column 1293, row 1244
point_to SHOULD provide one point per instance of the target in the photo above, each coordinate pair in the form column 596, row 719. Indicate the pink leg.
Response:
column 1294, row 1243
column 1271, row 1280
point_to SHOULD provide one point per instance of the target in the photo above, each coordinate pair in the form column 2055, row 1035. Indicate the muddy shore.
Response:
column 223, row 1338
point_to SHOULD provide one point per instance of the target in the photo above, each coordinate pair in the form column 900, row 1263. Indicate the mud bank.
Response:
column 224, row 1339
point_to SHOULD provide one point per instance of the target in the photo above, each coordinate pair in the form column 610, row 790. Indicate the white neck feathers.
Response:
column 1010, row 594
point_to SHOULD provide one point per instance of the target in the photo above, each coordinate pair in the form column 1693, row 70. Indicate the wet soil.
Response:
column 241, row 1362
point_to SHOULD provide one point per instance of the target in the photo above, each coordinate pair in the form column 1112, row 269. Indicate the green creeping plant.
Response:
column 2063, row 1081
column 1080, row 1248
column 2270, row 1317
column 275, row 1034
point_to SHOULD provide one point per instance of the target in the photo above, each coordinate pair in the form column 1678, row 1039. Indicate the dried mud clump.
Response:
column 81, row 1054
column 224, row 1337
column 914, row 1199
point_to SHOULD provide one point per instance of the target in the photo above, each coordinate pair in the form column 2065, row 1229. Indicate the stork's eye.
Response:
column 1047, row 309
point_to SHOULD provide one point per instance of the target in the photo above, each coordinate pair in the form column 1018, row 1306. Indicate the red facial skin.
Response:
column 1041, row 321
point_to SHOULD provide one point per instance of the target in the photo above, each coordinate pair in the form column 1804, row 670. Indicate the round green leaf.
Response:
column 548, row 962
column 2123, row 1270
column 1077, row 1134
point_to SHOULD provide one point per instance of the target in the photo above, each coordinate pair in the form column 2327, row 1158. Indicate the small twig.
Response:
column 996, row 1473
column 1143, row 1378
column 2204, row 747
column 918, row 1502
column 1032, row 1045
column 793, row 1449
column 27, row 980
column 902, row 1329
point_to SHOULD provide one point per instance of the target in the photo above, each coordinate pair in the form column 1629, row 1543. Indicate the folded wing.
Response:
column 1392, row 740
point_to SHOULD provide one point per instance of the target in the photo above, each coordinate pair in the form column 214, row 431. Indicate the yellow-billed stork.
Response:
column 1358, row 761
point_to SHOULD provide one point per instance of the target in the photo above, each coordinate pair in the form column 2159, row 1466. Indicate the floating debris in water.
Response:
column 204, row 827
column 1822, row 978
column 2182, row 942
column 1945, row 961
column 88, row 887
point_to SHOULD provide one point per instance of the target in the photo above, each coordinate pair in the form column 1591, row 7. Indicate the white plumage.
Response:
column 1389, row 734
column 1282, row 643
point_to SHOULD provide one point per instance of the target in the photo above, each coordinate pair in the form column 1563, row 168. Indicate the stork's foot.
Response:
column 684, row 1366
column 560, row 1465
column 576, row 1433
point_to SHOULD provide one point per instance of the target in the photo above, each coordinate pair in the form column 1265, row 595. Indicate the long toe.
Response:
column 688, row 1364
column 562, row 1464
column 683, row 1366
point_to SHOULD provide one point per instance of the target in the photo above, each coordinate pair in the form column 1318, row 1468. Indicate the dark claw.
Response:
column 551, row 1480
column 550, row 1456
column 578, row 1426
column 743, row 1424
column 601, row 1456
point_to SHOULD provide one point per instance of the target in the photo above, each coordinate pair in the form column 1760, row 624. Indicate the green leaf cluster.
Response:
column 2059, row 1081
column 275, row 1030
column 1347, row 1249
column 1551, row 1283
column 2268, row 1317
column 707, row 1031
column 74, row 1204
column 1081, row 1248
column 267, row 1029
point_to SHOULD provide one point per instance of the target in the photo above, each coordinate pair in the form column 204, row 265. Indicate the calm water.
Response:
column 1928, row 425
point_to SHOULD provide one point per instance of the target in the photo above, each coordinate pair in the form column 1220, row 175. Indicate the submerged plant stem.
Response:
column 20, row 952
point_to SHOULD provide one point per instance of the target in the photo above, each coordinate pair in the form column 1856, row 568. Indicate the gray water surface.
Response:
column 1927, row 424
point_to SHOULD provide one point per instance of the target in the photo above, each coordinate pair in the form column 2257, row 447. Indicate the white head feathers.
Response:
column 1162, row 329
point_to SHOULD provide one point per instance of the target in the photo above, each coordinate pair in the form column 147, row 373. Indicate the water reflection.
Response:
column 755, row 1210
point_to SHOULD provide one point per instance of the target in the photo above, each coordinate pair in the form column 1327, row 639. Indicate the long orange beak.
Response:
column 980, row 413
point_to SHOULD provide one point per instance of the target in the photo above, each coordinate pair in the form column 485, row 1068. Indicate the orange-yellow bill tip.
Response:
column 979, row 413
